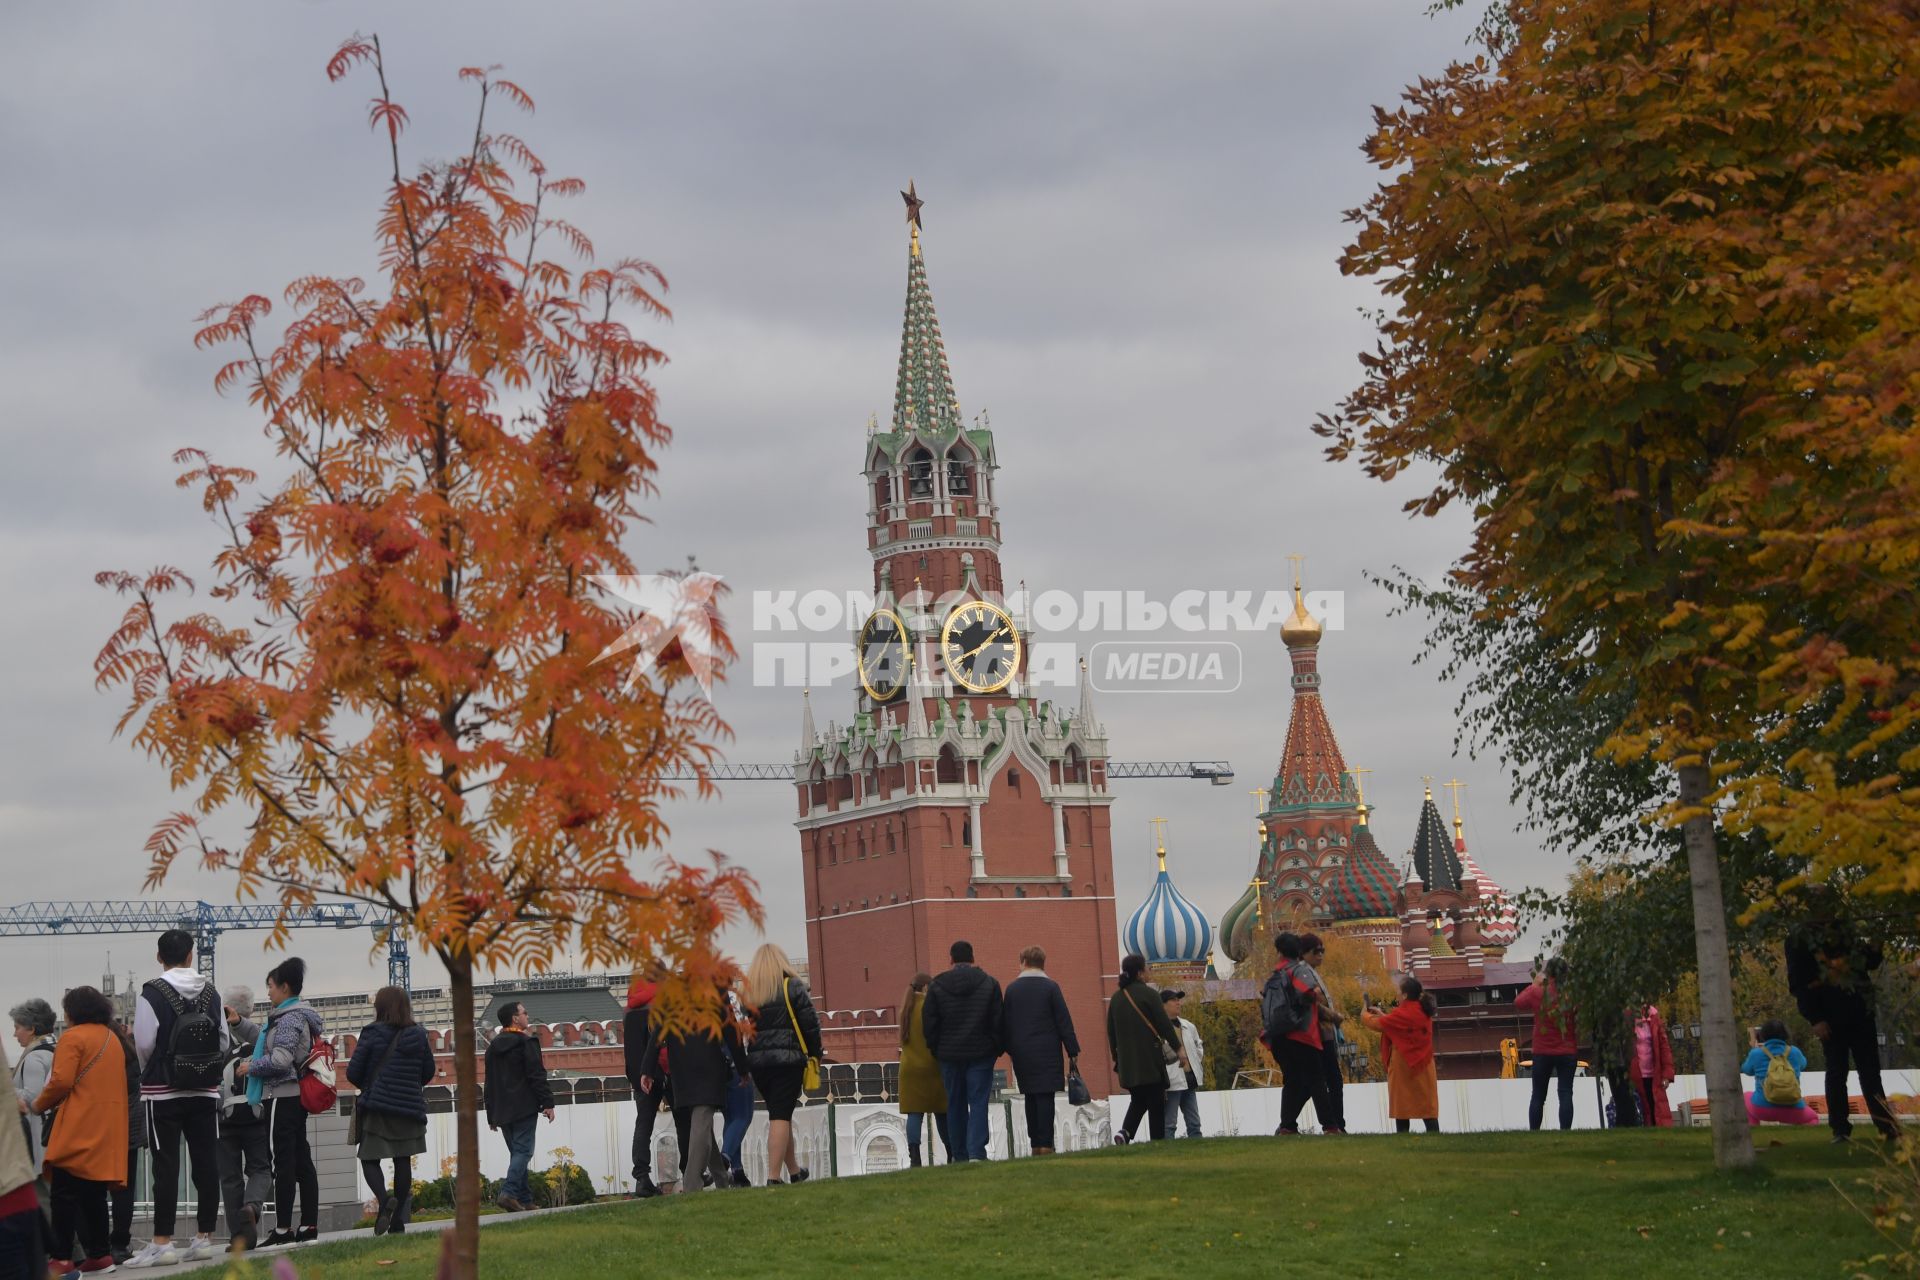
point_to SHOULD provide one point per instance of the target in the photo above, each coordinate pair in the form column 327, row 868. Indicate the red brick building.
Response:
column 955, row 803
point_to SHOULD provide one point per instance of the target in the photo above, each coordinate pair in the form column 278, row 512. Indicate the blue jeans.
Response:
column 969, row 1085
column 519, row 1137
column 739, row 1119
column 916, row 1125
column 1185, row 1102
column 1547, row 1068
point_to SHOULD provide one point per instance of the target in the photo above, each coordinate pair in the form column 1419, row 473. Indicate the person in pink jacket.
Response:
column 1556, row 1043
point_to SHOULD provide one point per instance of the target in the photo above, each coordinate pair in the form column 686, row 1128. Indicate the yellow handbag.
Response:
column 810, row 1076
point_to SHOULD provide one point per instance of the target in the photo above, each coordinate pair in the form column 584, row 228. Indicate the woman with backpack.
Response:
column 922, row 1092
column 1651, row 1067
column 392, row 1065
column 1143, row 1043
column 87, row 1150
column 33, row 1031
column 273, row 1076
column 1290, row 1014
column 1775, row 1067
column 1406, row 1050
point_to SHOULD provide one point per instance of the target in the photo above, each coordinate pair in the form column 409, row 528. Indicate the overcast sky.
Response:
column 1133, row 220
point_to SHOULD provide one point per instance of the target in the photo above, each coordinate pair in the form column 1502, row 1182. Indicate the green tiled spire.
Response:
column 923, row 397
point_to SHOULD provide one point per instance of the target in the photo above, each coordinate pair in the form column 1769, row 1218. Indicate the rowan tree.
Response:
column 396, row 689
column 1648, row 288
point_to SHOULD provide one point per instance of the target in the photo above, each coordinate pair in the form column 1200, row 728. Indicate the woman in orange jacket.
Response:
column 1406, row 1049
column 87, row 1152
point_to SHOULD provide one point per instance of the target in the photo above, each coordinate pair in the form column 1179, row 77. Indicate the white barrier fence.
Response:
column 849, row 1139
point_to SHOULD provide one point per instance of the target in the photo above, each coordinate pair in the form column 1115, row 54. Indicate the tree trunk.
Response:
column 465, row 1237
column 1732, row 1138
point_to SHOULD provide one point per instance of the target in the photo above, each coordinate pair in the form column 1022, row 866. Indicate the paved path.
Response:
column 432, row 1227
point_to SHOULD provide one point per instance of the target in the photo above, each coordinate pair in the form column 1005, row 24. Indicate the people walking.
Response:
column 739, row 1114
column 120, row 1198
column 23, row 1247
column 1037, row 1029
column 786, row 1035
column 1183, row 1085
column 962, row 1021
column 1556, row 1043
column 704, row 1064
column 1830, row 974
column 392, row 1065
column 1290, row 1017
column 1331, row 1102
column 1651, row 1068
column 86, row 1152
column 246, row 1143
column 272, row 1073
column 644, row 1075
column 181, row 1040
column 33, row 1031
column 1406, row 1050
column 516, row 1096
column 921, row 1092
column 1143, row 1044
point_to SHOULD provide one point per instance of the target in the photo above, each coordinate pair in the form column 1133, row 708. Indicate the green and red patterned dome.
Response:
column 1366, row 888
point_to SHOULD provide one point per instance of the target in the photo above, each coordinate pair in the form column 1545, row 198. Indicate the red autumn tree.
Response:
column 396, row 695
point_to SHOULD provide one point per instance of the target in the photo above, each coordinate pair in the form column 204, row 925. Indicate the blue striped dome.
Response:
column 1167, row 929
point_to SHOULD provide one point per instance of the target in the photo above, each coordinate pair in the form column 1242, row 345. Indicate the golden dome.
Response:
column 1301, row 627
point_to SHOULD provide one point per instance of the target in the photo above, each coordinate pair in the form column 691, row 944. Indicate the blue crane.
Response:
column 206, row 922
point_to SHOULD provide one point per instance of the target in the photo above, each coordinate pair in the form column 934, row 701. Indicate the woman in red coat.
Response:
column 1651, row 1067
column 1406, row 1049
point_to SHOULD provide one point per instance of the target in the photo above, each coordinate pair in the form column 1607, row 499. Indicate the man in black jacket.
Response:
column 962, row 1021
column 1830, row 973
column 516, row 1096
column 644, row 1074
column 1035, row 1027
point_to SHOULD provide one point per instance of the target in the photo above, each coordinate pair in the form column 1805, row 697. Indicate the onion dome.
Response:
column 1301, row 628
column 1366, row 888
column 1166, row 928
column 1499, row 920
column 1236, row 926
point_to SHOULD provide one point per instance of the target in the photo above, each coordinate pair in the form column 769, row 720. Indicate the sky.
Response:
column 1133, row 220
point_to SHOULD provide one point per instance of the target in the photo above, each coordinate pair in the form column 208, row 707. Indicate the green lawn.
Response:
column 1585, row 1204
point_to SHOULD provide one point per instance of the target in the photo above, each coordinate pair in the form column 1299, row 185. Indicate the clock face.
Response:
column 884, row 655
column 980, row 647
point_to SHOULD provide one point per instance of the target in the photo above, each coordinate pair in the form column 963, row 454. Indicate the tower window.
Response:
column 959, row 476
column 920, row 474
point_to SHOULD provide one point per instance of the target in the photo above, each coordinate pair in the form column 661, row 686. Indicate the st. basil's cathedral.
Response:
column 956, row 804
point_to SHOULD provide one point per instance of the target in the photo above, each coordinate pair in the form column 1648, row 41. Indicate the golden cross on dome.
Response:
column 1298, row 562
column 1455, row 786
column 1428, row 779
column 1159, row 826
column 1257, row 884
column 1360, row 788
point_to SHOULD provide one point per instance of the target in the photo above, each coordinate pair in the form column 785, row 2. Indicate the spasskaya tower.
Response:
column 954, row 803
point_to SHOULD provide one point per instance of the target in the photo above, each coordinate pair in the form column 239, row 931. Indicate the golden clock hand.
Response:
column 983, row 644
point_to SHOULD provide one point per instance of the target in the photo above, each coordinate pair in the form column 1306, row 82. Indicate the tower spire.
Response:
column 1088, row 725
column 807, row 735
column 923, row 396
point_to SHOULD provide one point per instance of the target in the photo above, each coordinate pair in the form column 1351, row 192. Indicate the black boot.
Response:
column 913, row 1155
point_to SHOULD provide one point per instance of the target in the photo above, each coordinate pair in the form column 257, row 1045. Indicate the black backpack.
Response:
column 194, row 1058
column 1283, row 1008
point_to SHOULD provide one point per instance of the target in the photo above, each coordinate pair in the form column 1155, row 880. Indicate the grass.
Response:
column 1623, row 1203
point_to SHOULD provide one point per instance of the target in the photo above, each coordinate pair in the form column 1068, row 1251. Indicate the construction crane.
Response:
column 1218, row 772
column 206, row 923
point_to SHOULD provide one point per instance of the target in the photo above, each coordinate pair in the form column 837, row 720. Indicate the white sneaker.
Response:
column 200, row 1250
column 154, row 1255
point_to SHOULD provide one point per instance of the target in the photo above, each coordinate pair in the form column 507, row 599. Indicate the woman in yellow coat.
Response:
column 87, row 1152
column 921, row 1091
column 1406, row 1047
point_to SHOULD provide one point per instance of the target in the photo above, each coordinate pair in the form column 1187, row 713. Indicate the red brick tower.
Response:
column 955, row 804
